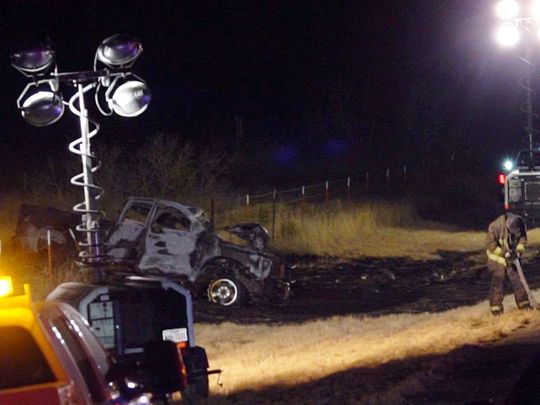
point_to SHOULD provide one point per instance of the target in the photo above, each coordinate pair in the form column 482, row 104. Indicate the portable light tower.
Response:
column 521, row 23
column 41, row 104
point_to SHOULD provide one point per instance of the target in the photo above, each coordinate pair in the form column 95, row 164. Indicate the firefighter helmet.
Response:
column 514, row 223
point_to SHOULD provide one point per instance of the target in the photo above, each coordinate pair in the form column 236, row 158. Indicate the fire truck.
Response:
column 521, row 186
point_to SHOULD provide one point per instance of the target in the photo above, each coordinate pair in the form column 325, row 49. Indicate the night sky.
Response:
column 361, row 83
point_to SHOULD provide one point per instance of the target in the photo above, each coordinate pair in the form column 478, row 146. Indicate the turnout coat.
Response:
column 500, row 240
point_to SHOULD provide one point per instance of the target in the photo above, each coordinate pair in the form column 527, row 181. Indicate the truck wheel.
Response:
column 191, row 396
column 227, row 291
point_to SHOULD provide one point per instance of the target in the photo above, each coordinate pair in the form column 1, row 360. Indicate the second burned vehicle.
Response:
column 171, row 239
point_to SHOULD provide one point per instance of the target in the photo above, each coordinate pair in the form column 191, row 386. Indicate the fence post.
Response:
column 247, row 199
column 348, row 189
column 49, row 253
column 387, row 175
column 326, row 192
column 212, row 213
column 405, row 179
column 274, row 214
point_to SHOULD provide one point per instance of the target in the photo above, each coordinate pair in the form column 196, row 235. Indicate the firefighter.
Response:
column 506, row 240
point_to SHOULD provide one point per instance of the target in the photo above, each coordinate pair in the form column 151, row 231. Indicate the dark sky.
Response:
column 399, row 79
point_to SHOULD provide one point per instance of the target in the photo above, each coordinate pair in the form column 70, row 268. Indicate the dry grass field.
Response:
column 373, row 229
column 364, row 229
column 256, row 357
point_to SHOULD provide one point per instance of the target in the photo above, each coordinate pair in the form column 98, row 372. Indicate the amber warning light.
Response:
column 501, row 179
column 6, row 286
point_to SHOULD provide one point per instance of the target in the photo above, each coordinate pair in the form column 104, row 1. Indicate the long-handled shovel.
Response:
column 523, row 280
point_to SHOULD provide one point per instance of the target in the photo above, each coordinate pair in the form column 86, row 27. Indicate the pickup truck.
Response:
column 49, row 355
column 521, row 187
column 153, row 237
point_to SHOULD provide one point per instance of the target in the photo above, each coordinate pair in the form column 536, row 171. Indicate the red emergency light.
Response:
column 501, row 179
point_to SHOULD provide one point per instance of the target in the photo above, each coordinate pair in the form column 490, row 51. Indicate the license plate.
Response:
column 175, row 335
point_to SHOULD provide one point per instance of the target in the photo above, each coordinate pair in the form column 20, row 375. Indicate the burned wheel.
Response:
column 227, row 291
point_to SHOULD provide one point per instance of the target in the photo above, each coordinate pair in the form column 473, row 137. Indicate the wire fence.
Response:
column 265, row 206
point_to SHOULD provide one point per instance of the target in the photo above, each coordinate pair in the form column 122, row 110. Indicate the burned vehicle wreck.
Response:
column 169, row 239
column 160, row 237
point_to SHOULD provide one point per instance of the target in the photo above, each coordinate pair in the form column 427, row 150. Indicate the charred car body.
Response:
column 166, row 238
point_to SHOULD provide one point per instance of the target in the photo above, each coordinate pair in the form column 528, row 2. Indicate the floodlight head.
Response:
column 119, row 50
column 40, row 103
column 507, row 9
column 42, row 108
column 535, row 9
column 130, row 99
column 508, row 165
column 508, row 34
column 33, row 59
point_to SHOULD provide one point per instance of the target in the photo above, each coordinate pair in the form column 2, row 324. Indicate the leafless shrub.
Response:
column 163, row 167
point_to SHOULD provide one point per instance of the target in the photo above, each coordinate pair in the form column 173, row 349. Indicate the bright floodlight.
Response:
column 33, row 59
column 507, row 9
column 508, row 34
column 508, row 165
column 130, row 99
column 119, row 50
column 535, row 9
column 42, row 108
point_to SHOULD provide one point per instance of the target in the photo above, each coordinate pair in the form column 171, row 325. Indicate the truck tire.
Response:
column 227, row 291
column 196, row 363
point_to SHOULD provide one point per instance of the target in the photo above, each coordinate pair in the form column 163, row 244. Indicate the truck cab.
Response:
column 522, row 187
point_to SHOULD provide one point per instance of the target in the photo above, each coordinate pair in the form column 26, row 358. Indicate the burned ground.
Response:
column 327, row 287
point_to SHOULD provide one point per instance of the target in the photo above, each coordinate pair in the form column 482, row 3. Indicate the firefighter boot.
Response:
column 525, row 306
column 497, row 310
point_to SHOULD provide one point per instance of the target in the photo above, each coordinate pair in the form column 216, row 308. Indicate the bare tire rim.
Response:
column 223, row 292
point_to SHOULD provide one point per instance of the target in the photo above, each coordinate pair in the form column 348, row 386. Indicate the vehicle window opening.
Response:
column 137, row 213
column 173, row 221
column 146, row 313
column 524, row 159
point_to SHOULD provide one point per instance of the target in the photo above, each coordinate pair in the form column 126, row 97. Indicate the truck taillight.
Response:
column 181, row 347
column 502, row 179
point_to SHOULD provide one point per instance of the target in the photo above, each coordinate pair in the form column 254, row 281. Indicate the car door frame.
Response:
column 169, row 257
